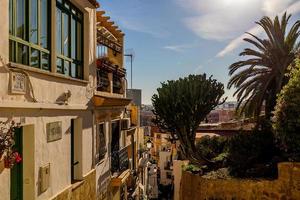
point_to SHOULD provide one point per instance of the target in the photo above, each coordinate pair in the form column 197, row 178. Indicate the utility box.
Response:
column 45, row 177
column 125, row 124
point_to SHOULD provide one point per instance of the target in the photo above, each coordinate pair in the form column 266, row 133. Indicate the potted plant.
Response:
column 7, row 141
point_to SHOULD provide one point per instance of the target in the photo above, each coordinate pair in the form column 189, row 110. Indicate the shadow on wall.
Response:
column 103, row 184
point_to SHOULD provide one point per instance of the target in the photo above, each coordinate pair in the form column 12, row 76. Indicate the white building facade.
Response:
column 47, row 80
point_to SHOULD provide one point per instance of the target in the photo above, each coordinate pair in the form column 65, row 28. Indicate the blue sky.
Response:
column 175, row 38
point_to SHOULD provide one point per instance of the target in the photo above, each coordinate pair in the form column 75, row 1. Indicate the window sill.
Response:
column 44, row 72
column 76, row 184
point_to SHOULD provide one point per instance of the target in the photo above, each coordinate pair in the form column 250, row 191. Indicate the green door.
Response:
column 16, row 175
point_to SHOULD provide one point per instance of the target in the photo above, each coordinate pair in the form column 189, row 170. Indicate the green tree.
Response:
column 180, row 106
column 287, row 116
column 260, row 77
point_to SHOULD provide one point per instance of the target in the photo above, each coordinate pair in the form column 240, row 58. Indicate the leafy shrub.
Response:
column 250, row 154
column 287, row 116
column 212, row 148
column 192, row 168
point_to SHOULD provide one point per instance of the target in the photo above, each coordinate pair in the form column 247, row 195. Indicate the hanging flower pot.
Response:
column 12, row 159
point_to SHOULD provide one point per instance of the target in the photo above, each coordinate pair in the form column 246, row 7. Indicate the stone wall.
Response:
column 85, row 189
column 287, row 186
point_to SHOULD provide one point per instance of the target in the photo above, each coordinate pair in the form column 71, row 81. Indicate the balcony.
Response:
column 111, row 87
column 103, row 82
column 120, row 167
column 110, row 77
column 120, row 160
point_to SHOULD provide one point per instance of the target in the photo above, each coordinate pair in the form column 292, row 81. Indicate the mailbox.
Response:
column 45, row 177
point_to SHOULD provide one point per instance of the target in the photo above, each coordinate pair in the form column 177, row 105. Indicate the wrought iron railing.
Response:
column 119, row 160
column 104, row 68
column 102, row 81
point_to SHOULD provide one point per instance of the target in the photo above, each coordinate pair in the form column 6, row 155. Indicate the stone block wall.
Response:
column 85, row 189
column 287, row 186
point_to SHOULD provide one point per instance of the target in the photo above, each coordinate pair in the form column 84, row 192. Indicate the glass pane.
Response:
column 67, row 68
column 79, row 72
column 44, row 24
column 12, row 53
column 73, row 38
column 21, row 32
column 34, row 22
column 35, row 58
column 11, row 17
column 22, row 54
column 66, row 34
column 79, row 41
column 45, row 61
column 60, row 1
column 73, row 70
column 58, row 30
column 59, row 67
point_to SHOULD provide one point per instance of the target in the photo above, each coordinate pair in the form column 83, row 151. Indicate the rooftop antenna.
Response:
column 130, row 54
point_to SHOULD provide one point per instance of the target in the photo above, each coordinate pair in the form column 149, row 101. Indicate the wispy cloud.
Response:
column 271, row 7
column 227, row 20
column 138, row 26
column 198, row 69
column 238, row 41
column 219, row 19
column 179, row 48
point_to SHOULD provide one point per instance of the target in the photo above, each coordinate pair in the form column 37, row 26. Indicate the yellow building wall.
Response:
column 287, row 186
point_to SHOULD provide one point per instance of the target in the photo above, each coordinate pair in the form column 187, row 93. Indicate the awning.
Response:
column 105, row 101
column 121, row 179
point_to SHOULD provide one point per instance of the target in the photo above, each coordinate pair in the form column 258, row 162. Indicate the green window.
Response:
column 69, row 39
column 29, row 32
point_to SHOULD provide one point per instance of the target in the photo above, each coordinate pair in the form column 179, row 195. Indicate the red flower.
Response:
column 18, row 158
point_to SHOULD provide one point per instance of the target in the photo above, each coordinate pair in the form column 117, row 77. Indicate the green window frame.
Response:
column 30, row 33
column 69, row 39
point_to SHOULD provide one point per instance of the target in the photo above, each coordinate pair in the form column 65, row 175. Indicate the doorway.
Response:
column 16, row 173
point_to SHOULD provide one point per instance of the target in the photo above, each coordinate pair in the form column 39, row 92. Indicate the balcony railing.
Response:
column 119, row 160
column 117, row 84
column 102, row 81
column 104, row 68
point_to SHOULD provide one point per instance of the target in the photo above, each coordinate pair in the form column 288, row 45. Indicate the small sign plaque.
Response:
column 17, row 83
column 54, row 131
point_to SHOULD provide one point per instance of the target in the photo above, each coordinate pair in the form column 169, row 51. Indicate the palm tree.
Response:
column 260, row 77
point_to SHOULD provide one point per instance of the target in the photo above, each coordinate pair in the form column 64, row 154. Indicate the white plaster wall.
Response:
column 5, row 182
column 4, row 45
column 88, row 138
column 57, row 153
column 47, row 88
column 103, row 173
